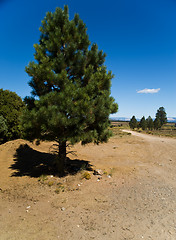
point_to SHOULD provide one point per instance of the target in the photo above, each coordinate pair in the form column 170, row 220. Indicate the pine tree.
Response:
column 71, row 99
column 142, row 123
column 161, row 115
column 149, row 121
column 133, row 123
column 157, row 123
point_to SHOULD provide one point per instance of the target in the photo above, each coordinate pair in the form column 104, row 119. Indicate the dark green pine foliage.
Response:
column 149, row 121
column 157, row 123
column 133, row 123
column 143, row 123
column 161, row 115
column 70, row 85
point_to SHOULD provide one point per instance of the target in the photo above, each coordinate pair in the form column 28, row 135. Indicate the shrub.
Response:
column 60, row 188
column 11, row 107
column 42, row 178
column 3, row 129
column 86, row 175
column 50, row 183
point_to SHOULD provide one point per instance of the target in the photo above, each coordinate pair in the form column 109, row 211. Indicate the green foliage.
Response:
column 60, row 188
column 161, row 115
column 143, row 123
column 149, row 122
column 70, row 85
column 157, row 123
column 3, row 129
column 133, row 123
column 11, row 107
column 42, row 178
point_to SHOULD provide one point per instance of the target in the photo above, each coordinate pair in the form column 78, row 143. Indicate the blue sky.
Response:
column 139, row 38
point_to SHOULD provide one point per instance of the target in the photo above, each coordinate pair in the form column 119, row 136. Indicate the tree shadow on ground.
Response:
column 30, row 162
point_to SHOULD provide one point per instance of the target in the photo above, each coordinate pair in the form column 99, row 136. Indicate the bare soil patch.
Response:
column 134, row 199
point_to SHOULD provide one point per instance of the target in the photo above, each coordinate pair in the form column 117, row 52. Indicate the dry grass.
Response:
column 116, row 128
column 167, row 130
column 120, row 125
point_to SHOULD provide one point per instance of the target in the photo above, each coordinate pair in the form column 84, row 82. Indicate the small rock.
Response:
column 98, row 172
column 28, row 207
column 109, row 176
column 62, row 209
column 79, row 185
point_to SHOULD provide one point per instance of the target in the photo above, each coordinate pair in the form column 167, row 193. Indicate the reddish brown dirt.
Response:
column 137, row 202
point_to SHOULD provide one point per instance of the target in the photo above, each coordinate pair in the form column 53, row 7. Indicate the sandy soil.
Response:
column 136, row 201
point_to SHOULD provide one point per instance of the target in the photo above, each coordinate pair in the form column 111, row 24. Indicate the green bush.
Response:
column 11, row 107
column 3, row 129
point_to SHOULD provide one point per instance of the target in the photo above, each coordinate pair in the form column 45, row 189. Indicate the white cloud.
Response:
column 148, row 90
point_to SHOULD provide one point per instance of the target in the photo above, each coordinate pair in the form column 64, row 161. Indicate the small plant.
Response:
column 59, row 184
column 57, row 190
column 50, row 183
column 60, row 188
column 42, row 178
column 86, row 175
column 111, row 171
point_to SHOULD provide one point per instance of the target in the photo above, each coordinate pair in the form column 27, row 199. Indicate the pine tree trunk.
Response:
column 62, row 150
column 62, row 156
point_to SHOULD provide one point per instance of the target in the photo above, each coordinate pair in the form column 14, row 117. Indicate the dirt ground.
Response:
column 134, row 199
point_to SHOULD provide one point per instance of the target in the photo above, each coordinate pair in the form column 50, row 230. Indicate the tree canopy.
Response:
column 133, row 123
column 161, row 115
column 3, row 129
column 143, row 123
column 70, row 85
column 149, row 121
column 11, row 107
column 157, row 123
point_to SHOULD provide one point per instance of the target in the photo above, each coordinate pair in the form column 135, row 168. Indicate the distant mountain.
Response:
column 169, row 119
column 119, row 119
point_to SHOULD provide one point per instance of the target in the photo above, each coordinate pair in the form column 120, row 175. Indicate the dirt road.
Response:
column 150, row 137
column 134, row 199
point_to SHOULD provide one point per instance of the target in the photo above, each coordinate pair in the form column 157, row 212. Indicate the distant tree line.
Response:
column 160, row 119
